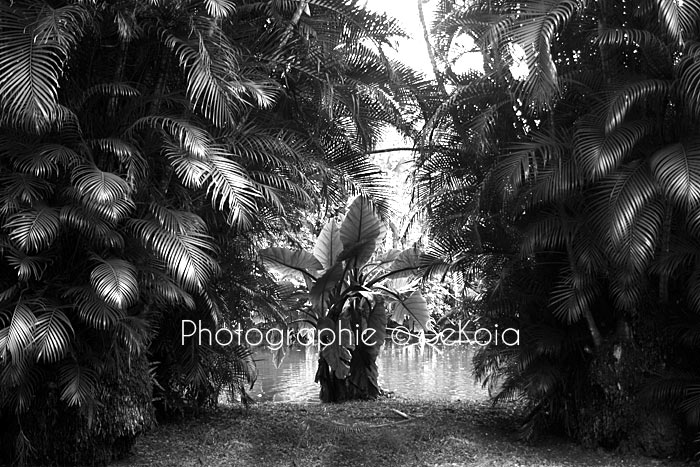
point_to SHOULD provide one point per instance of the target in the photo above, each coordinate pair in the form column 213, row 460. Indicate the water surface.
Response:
column 444, row 373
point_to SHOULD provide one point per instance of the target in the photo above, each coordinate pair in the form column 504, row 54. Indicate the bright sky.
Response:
column 413, row 51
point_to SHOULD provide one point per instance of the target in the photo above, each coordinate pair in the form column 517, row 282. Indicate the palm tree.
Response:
column 596, row 162
column 134, row 133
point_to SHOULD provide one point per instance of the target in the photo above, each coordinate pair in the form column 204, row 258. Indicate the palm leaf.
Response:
column 53, row 335
column 220, row 8
column 115, row 282
column 28, row 267
column 189, row 136
column 678, row 17
column 677, row 169
column 184, row 254
column 78, row 383
column 360, row 231
column 599, row 153
column 92, row 309
column 633, row 94
column 25, row 188
column 534, row 30
column 624, row 195
column 204, row 87
column 688, row 82
column 33, row 50
column 230, row 187
column 99, row 186
column 20, row 332
column 34, row 230
column 573, row 295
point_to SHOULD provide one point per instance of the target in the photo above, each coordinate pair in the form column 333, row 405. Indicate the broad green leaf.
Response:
column 337, row 353
column 415, row 308
column 288, row 261
column 360, row 231
column 385, row 260
column 338, row 358
column 377, row 323
column 328, row 244
column 406, row 264
column 115, row 282
column 325, row 284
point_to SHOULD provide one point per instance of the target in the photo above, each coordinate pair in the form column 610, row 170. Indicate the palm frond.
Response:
column 623, row 196
column 52, row 337
column 678, row 18
column 633, row 94
column 676, row 167
column 92, row 310
column 34, row 230
column 33, row 50
column 534, row 30
column 78, row 383
column 599, row 153
column 115, row 282
column 186, row 255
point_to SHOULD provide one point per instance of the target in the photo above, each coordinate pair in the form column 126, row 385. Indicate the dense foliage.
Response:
column 571, row 189
column 137, row 138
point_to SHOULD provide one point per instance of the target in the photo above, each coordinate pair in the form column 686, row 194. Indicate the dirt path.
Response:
column 359, row 434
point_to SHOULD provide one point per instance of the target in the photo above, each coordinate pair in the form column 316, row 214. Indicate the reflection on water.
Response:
column 409, row 372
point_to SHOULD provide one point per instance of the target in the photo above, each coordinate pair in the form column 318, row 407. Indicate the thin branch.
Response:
column 380, row 151
column 303, row 5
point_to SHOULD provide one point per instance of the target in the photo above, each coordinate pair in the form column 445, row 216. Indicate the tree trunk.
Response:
column 361, row 384
column 609, row 411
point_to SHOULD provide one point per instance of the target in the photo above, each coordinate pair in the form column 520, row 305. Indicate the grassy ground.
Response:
column 360, row 434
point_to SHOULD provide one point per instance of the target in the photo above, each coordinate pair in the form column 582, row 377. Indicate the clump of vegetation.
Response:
column 351, row 290
column 565, row 176
column 134, row 136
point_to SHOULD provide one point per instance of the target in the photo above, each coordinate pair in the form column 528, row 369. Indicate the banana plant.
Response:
column 351, row 288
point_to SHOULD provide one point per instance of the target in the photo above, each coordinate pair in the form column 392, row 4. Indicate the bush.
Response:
column 52, row 433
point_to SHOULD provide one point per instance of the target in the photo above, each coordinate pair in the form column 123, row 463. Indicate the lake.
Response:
column 442, row 373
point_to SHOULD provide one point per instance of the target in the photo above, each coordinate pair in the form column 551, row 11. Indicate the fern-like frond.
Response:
column 115, row 282
column 186, row 255
column 34, row 230
column 676, row 168
column 92, row 310
column 34, row 45
column 679, row 18
column 77, row 383
column 598, row 153
column 53, row 335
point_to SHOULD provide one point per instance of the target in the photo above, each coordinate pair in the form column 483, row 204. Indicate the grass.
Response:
column 360, row 434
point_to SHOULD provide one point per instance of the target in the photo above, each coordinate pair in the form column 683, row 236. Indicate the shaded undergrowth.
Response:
column 361, row 434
